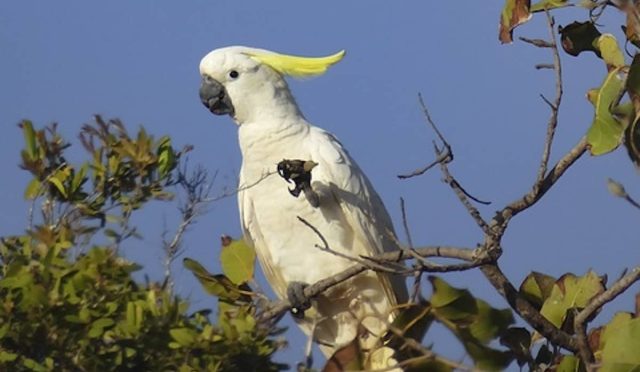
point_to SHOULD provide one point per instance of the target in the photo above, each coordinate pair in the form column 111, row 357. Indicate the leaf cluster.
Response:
column 69, row 301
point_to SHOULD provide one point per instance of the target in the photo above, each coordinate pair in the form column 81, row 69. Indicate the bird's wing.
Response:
column 253, row 236
column 360, row 204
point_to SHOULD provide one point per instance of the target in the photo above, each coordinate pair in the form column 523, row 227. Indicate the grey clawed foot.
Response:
column 299, row 302
column 299, row 171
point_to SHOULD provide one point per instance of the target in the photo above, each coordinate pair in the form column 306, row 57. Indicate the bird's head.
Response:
column 244, row 82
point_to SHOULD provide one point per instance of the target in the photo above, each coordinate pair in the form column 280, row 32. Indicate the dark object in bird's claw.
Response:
column 299, row 171
column 299, row 302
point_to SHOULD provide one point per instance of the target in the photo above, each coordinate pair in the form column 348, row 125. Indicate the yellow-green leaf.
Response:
column 536, row 287
column 570, row 292
column 569, row 363
column 610, row 51
column 620, row 343
column 606, row 132
column 33, row 189
column 29, row 138
column 217, row 285
column 184, row 336
column 489, row 323
column 451, row 303
column 238, row 261
column 58, row 184
column 543, row 5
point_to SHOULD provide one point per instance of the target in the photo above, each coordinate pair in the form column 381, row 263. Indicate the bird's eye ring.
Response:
column 233, row 74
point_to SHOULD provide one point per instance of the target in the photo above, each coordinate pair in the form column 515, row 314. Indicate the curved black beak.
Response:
column 214, row 96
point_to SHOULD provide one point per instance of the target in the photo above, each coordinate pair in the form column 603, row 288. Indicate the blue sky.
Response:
column 139, row 61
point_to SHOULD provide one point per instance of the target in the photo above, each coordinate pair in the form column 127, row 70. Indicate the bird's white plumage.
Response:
column 351, row 216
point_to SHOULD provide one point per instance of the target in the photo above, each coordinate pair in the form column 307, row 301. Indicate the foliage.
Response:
column 68, row 301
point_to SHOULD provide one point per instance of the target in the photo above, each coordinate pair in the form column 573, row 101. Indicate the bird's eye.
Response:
column 233, row 74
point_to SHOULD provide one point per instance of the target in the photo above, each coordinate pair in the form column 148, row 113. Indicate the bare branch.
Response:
column 537, row 42
column 444, row 156
column 553, row 120
column 464, row 197
column 504, row 216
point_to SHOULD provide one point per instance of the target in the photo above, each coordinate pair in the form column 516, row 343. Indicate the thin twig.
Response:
column 405, row 223
column 326, row 248
column 417, row 276
column 240, row 188
column 583, row 317
column 507, row 213
column 464, row 197
column 555, row 106
column 443, row 156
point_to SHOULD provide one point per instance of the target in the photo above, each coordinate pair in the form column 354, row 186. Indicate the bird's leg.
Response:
column 299, row 171
column 299, row 302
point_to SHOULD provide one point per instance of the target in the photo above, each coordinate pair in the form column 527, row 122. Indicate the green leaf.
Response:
column 606, row 132
column 19, row 280
column 632, row 132
column 536, row 288
column 238, row 261
column 570, row 292
column 98, row 326
column 451, row 303
column 543, row 5
column 413, row 320
column 518, row 340
column 58, row 184
column 489, row 322
column 79, row 178
column 33, row 365
column 569, row 363
column 488, row 359
column 33, row 189
column 6, row 356
column 218, row 285
column 166, row 156
column 610, row 51
column 29, row 138
column 620, row 343
column 184, row 336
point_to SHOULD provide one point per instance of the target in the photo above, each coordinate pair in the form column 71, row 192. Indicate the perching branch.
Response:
column 466, row 254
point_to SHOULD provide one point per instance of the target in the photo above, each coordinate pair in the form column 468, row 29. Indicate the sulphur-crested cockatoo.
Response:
column 249, row 85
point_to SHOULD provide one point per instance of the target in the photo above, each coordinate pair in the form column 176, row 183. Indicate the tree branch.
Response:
column 503, row 216
column 583, row 317
column 320, row 286
column 521, row 306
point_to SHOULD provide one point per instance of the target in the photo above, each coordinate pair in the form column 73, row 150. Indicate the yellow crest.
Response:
column 297, row 66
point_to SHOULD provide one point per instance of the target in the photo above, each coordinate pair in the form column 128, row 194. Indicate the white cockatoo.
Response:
column 249, row 85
